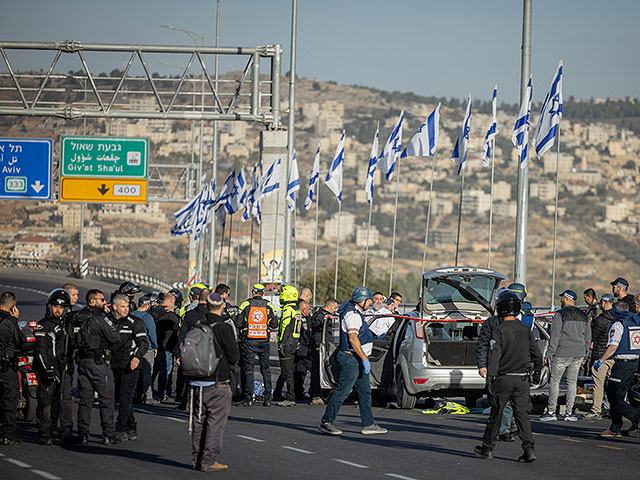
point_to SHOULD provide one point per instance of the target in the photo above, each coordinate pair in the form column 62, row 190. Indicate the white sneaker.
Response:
column 570, row 418
column 547, row 417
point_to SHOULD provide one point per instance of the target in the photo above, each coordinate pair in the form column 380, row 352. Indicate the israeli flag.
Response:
column 194, row 216
column 238, row 194
column 550, row 115
column 271, row 181
column 459, row 154
column 391, row 150
column 313, row 181
column 373, row 160
column 493, row 130
column 334, row 177
column 226, row 191
column 425, row 141
column 294, row 183
column 248, row 205
column 520, row 136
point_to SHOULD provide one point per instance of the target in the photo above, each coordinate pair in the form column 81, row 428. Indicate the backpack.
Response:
column 85, row 339
column 198, row 357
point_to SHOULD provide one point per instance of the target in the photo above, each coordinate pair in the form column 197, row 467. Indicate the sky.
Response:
column 440, row 48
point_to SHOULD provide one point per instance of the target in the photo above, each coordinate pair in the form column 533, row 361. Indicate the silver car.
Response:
column 430, row 351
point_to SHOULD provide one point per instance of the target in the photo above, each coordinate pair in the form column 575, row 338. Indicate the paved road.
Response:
column 283, row 442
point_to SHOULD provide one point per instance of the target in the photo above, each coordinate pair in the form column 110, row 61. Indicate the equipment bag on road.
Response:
column 198, row 356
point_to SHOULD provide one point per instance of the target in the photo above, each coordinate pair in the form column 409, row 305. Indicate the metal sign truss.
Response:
column 91, row 95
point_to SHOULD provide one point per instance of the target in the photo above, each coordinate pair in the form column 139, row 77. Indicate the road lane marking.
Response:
column 299, row 450
column 351, row 464
column 48, row 475
column 176, row 419
column 250, row 438
column 18, row 463
column 612, row 448
column 399, row 477
column 574, row 440
column 25, row 288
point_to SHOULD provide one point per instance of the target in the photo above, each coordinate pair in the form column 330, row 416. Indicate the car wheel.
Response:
column 404, row 398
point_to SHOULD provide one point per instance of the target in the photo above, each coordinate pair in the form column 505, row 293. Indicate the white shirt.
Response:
column 351, row 323
column 615, row 336
column 381, row 325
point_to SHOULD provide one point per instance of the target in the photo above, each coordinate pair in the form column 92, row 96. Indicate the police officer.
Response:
column 50, row 363
column 356, row 344
column 11, row 342
column 624, row 348
column 146, row 365
column 316, row 326
column 256, row 318
column 128, row 353
column 288, row 339
column 130, row 289
column 96, row 337
column 508, row 374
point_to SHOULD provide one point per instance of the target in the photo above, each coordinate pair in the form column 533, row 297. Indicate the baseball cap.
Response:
column 214, row 299
column 144, row 300
column 569, row 294
column 623, row 282
column 607, row 297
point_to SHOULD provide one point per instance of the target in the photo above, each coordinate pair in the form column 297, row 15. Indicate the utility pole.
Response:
column 523, row 172
column 214, row 163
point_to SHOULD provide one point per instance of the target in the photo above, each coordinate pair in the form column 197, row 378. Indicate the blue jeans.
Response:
column 351, row 376
column 507, row 417
column 165, row 364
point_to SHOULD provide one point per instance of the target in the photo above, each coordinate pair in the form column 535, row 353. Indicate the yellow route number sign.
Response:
column 103, row 190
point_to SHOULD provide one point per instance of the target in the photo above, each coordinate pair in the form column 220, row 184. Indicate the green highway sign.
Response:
column 104, row 157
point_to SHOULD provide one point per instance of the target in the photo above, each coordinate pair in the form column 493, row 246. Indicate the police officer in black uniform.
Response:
column 129, row 289
column 49, row 365
column 96, row 337
column 128, row 353
column 11, row 342
column 508, row 376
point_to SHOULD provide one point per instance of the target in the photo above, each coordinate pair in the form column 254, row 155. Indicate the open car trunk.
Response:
column 451, row 344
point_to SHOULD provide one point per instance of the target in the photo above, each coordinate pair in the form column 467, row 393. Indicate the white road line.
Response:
column 351, row 464
column 399, row 477
column 176, row 419
column 26, row 289
column 18, row 462
column 48, row 475
column 299, row 450
column 250, row 438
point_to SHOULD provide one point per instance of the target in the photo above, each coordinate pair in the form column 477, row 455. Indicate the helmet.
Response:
column 155, row 296
column 60, row 297
column 360, row 294
column 178, row 294
column 288, row 294
column 519, row 289
column 196, row 288
column 508, row 304
column 129, row 288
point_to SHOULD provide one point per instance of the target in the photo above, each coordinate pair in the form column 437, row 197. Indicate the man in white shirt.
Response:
column 379, row 325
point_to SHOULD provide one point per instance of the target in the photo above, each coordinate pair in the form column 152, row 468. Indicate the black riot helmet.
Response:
column 156, row 297
column 59, row 296
column 179, row 297
column 508, row 303
column 130, row 288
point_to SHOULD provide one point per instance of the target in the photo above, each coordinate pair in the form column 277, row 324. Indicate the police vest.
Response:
column 289, row 313
column 364, row 334
column 257, row 319
column 630, row 341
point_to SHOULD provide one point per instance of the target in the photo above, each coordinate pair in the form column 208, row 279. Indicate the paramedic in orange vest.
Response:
column 256, row 318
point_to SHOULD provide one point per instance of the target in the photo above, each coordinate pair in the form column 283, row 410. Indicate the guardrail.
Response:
column 99, row 271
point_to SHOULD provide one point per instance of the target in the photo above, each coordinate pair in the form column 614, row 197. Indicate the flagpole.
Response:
column 220, row 255
column 275, row 236
column 237, row 264
column 426, row 231
column 295, row 246
column 259, row 280
column 493, row 148
column 395, row 217
column 335, row 282
column 226, row 281
column 366, row 251
column 459, row 216
column 315, row 247
column 250, row 253
column 555, row 223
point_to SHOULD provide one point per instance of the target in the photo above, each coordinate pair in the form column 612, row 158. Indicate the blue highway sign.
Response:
column 25, row 168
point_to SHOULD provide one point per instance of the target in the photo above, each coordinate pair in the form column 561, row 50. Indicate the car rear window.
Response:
column 439, row 292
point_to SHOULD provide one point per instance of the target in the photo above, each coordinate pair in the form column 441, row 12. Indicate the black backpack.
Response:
column 85, row 338
column 198, row 357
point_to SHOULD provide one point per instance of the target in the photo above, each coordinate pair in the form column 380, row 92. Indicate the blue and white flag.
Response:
column 223, row 198
column 248, row 205
column 294, row 183
column 193, row 218
column 493, row 130
column 391, row 150
column 520, row 136
column 550, row 115
column 334, row 177
column 313, row 181
column 425, row 141
column 271, row 181
column 238, row 195
column 459, row 154
column 371, row 171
